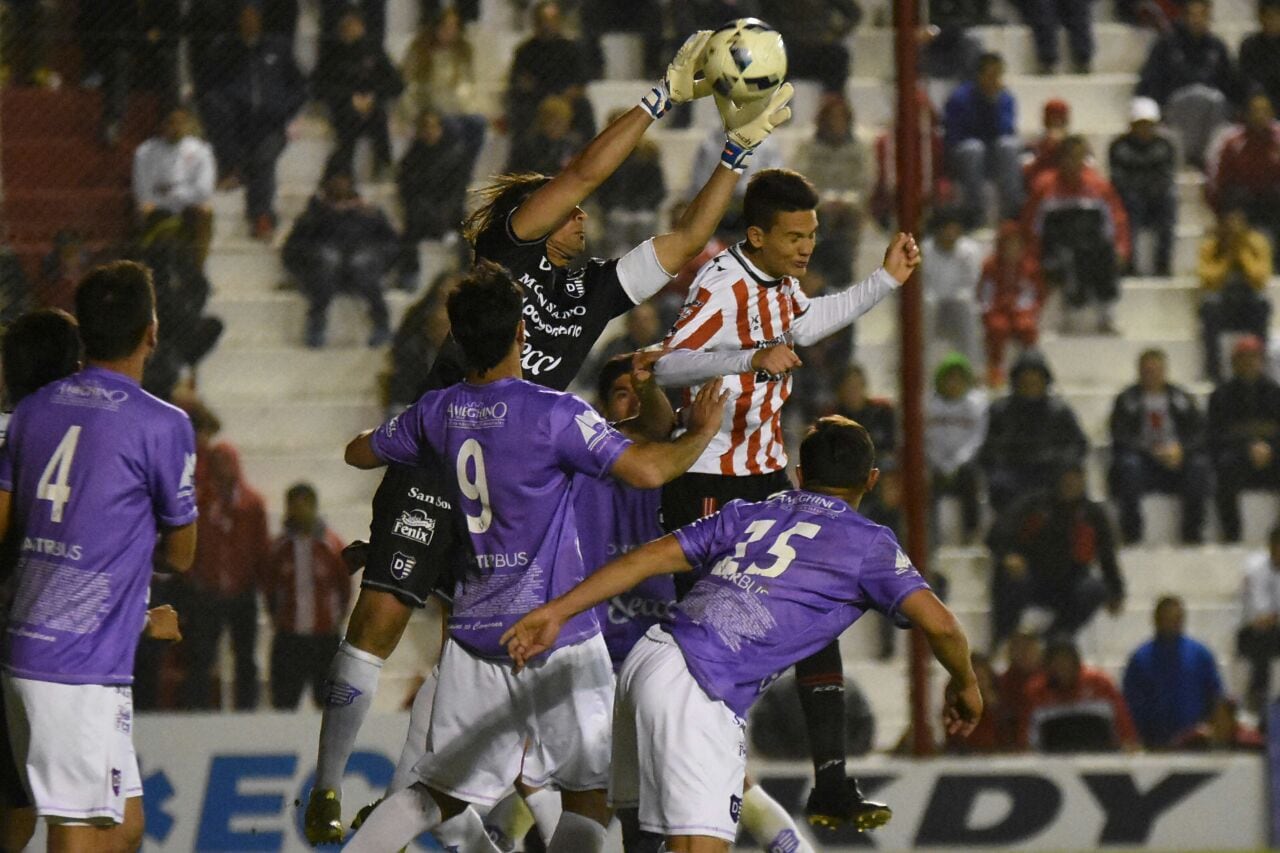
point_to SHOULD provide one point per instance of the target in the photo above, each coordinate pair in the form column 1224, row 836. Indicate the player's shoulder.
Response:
column 721, row 272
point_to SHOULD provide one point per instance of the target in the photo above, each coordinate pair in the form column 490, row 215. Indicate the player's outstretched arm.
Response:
column 827, row 314
column 683, row 367
column 547, row 208
column 359, row 452
column 178, row 546
column 648, row 466
column 950, row 646
column 656, row 419
column 538, row 629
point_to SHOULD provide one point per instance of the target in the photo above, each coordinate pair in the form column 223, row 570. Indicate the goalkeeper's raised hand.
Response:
column 681, row 83
column 747, row 126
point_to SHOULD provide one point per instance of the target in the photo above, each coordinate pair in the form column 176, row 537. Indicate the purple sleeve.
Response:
column 402, row 439
column 705, row 540
column 888, row 576
column 584, row 441
column 173, row 472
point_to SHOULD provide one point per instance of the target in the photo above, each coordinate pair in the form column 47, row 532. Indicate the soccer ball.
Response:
column 746, row 60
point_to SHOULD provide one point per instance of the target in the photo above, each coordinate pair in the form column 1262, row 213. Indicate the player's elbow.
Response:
column 640, row 468
column 645, row 477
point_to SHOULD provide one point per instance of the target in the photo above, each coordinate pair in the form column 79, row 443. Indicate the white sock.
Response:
column 577, row 834
column 509, row 821
column 415, row 742
column 396, row 821
column 464, row 833
column 352, row 681
column 546, row 808
column 770, row 824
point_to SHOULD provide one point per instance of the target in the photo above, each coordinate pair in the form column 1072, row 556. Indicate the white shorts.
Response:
column 484, row 715
column 678, row 754
column 74, row 748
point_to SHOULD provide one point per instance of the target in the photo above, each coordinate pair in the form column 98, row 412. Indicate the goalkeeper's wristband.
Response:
column 734, row 156
column 657, row 100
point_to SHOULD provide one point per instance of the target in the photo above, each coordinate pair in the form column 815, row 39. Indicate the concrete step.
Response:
column 277, row 318
column 278, row 373
column 293, row 426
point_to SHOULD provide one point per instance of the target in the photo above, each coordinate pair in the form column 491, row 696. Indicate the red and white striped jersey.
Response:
column 732, row 305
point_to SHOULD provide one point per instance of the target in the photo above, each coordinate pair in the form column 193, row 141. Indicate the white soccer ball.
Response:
column 746, row 60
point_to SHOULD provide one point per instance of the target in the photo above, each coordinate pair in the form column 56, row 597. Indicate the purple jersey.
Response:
column 614, row 518
column 514, row 448
column 96, row 467
column 777, row 581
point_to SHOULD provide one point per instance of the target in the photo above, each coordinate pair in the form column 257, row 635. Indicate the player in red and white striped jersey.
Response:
column 744, row 312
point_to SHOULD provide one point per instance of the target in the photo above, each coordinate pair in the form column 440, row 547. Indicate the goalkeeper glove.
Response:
column 681, row 83
column 745, row 128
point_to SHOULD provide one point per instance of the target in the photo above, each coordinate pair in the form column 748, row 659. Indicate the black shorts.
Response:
column 416, row 546
column 691, row 497
column 12, row 793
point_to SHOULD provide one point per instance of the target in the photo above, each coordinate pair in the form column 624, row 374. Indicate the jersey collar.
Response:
column 752, row 270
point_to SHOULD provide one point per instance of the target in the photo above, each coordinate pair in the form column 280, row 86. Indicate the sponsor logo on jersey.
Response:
column 90, row 394
column 52, row 548
column 402, row 565
column 415, row 525
column 735, row 807
column 390, row 427
column 187, row 485
column 594, row 428
column 435, row 500
column 624, row 608
column 538, row 362
column 472, row 414
column 338, row 694
column 902, row 564
column 574, row 284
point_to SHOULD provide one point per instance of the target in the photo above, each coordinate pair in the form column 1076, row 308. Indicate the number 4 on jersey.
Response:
column 54, row 481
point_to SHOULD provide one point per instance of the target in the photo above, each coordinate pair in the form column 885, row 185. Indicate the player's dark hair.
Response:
column 484, row 312
column 503, row 195
column 115, row 305
column 619, row 365
column 774, row 191
column 39, row 347
column 837, row 453
column 302, row 490
column 1167, row 601
column 1153, row 352
column 988, row 59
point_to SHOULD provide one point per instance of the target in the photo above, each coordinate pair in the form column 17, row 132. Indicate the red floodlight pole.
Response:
column 911, row 324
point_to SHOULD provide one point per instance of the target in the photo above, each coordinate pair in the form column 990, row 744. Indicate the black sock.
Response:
column 820, row 680
column 635, row 839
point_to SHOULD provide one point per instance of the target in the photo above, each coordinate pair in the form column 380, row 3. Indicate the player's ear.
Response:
column 755, row 236
column 153, row 334
column 520, row 333
column 799, row 476
column 873, row 478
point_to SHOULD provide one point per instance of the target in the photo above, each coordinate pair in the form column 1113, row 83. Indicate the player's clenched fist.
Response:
column 707, row 410
column 776, row 360
column 902, row 257
column 963, row 708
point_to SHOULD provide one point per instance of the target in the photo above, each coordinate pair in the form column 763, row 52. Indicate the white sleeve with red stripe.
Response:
column 681, row 368
column 709, row 318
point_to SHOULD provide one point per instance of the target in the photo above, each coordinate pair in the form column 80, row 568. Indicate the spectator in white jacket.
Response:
column 952, row 266
column 1258, row 640
column 955, row 423
column 173, row 178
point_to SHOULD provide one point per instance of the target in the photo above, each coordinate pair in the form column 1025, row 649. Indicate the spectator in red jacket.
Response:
column 307, row 588
column 1025, row 654
column 1244, row 167
column 1010, row 293
column 232, row 545
column 1074, row 708
column 1080, row 230
column 1044, row 151
column 934, row 187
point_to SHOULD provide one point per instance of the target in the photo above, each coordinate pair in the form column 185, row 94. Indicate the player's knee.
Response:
column 590, row 804
column 377, row 622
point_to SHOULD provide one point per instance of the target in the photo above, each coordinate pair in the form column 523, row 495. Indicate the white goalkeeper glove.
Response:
column 681, row 83
column 747, row 126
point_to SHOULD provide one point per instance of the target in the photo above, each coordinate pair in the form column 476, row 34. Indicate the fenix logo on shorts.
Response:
column 416, row 526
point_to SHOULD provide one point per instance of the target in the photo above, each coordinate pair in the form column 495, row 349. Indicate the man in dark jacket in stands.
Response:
column 355, row 80
column 432, row 181
column 1260, row 52
column 1157, row 445
column 254, row 90
column 1045, row 547
column 1244, row 433
column 1144, row 166
column 1031, row 434
column 1189, row 72
column 341, row 244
